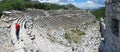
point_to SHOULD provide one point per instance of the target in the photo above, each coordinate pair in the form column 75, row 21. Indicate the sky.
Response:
column 83, row 4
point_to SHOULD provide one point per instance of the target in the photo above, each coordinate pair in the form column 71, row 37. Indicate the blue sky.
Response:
column 84, row 4
column 78, row 1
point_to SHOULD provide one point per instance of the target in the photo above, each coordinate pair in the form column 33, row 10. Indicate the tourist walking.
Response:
column 17, row 26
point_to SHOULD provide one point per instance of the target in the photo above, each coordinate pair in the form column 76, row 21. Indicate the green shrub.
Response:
column 71, row 38
column 67, row 36
column 78, row 31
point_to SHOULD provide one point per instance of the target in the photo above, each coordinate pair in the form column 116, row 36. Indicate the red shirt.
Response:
column 17, row 26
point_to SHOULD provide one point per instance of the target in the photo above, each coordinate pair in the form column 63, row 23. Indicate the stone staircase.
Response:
column 45, row 33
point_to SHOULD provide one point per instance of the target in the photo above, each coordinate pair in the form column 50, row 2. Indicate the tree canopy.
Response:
column 99, row 13
column 6, row 5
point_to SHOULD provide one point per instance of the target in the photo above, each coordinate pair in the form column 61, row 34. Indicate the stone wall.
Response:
column 112, row 38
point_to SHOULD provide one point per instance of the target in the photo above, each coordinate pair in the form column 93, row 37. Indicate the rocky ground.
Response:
column 43, row 31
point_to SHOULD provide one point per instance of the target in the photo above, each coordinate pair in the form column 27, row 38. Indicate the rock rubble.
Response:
column 43, row 31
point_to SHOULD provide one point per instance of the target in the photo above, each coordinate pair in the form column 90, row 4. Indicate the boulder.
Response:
column 10, row 19
column 8, row 26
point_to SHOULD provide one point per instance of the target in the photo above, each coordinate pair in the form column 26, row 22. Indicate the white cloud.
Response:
column 57, row 1
column 49, row 1
column 98, row 1
column 88, row 5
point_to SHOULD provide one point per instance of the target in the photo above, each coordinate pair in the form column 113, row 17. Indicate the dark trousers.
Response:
column 17, row 34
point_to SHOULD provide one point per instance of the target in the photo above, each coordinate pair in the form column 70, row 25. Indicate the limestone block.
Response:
column 32, row 37
column 29, row 32
column 20, row 50
column 8, row 26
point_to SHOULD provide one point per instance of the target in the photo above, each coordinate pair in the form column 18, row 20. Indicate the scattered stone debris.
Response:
column 43, row 31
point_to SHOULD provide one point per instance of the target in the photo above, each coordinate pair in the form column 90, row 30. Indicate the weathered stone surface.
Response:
column 44, row 31
column 20, row 50
column 110, row 33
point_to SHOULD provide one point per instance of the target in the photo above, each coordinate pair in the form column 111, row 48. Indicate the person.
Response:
column 73, row 49
column 17, row 26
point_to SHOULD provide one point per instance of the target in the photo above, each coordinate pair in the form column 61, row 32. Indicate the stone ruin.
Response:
column 43, row 31
column 110, row 31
